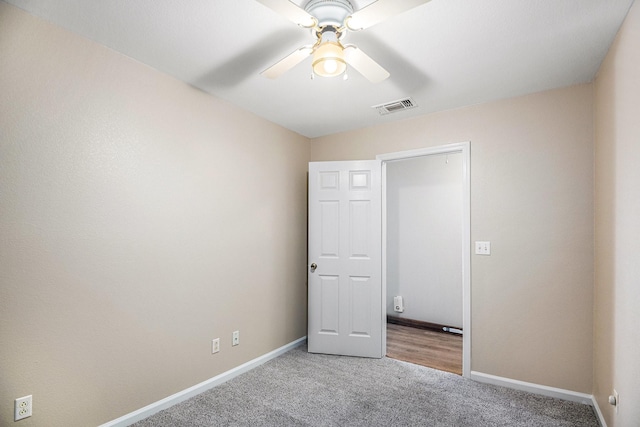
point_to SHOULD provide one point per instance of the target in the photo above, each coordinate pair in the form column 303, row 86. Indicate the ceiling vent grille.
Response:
column 395, row 106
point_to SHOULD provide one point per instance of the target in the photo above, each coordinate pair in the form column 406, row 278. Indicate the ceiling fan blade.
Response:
column 364, row 64
column 379, row 11
column 288, row 62
column 290, row 11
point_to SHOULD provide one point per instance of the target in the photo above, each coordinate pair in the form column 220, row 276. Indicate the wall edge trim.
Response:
column 183, row 395
column 559, row 393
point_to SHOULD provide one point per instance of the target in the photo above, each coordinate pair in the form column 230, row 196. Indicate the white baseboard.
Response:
column 167, row 402
column 603, row 423
column 544, row 390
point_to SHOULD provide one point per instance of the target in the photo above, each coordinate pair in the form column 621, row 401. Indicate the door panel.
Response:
column 345, row 290
column 330, row 301
column 329, row 229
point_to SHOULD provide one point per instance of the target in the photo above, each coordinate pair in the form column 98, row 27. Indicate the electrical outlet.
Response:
column 235, row 340
column 215, row 345
column 23, row 407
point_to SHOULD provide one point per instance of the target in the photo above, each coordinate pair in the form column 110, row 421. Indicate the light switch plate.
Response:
column 483, row 248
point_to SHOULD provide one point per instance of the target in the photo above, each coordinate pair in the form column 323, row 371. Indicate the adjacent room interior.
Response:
column 424, row 196
column 147, row 209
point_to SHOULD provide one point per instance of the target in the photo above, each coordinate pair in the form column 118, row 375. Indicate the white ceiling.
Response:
column 444, row 54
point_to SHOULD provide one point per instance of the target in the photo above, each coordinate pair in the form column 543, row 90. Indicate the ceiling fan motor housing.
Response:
column 329, row 12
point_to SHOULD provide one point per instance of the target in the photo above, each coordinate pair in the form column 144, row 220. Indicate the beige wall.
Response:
column 532, row 197
column 139, row 219
column 617, row 214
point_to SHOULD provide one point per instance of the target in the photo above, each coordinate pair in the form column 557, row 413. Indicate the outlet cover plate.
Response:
column 23, row 407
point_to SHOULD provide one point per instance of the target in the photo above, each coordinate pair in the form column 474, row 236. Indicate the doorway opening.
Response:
column 426, row 258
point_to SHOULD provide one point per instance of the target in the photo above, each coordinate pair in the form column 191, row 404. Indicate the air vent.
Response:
column 395, row 106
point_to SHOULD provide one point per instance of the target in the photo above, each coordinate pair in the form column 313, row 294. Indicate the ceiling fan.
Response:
column 329, row 21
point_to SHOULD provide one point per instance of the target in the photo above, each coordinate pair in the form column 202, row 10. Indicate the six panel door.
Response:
column 346, row 316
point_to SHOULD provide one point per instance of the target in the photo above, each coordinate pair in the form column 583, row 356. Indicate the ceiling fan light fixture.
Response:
column 328, row 60
column 333, row 19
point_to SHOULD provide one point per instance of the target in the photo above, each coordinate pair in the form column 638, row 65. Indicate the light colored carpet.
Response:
column 303, row 389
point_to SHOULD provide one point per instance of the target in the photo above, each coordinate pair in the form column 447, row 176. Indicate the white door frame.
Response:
column 464, row 148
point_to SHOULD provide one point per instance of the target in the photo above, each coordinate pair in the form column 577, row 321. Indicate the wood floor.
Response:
column 436, row 350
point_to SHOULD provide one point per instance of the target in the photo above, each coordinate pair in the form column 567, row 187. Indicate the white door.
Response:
column 345, row 267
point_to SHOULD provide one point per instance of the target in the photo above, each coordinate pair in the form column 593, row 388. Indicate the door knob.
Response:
column 313, row 267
